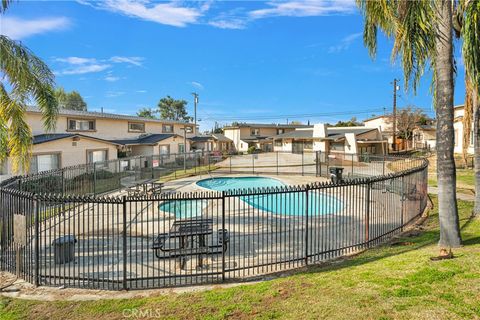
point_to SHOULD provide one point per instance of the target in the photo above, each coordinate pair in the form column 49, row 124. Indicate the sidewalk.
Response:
column 461, row 196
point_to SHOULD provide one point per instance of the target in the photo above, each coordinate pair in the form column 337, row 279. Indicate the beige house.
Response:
column 332, row 140
column 212, row 142
column 246, row 135
column 424, row 137
column 81, row 137
column 384, row 124
column 57, row 150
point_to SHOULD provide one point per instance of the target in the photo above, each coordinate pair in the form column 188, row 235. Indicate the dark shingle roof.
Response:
column 267, row 125
column 94, row 114
column 221, row 137
column 48, row 137
column 332, row 133
column 147, row 139
column 200, row 138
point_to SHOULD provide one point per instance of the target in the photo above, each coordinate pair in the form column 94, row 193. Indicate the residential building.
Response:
column 385, row 125
column 258, row 135
column 211, row 142
column 424, row 137
column 458, row 114
column 332, row 140
column 81, row 137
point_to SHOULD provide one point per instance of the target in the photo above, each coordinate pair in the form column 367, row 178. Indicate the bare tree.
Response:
column 408, row 119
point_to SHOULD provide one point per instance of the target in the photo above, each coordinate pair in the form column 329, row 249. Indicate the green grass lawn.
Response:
column 465, row 180
column 178, row 174
column 388, row 282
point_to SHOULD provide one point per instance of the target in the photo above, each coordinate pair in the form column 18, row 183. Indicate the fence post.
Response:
column 384, row 159
column 319, row 163
column 223, row 228
column 94, row 179
column 124, row 242
column 306, row 223
column 253, row 163
column 352, row 164
column 37, row 243
column 402, row 200
column 303, row 153
column 277, row 162
column 367, row 214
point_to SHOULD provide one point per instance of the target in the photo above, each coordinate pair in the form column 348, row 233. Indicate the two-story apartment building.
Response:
column 81, row 137
column 246, row 135
column 332, row 140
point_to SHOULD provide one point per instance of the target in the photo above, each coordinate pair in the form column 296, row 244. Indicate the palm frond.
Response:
column 471, row 42
column 29, row 78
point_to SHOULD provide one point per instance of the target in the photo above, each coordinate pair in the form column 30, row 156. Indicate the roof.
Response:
column 377, row 117
column 93, row 114
column 48, row 137
column 201, row 138
column 266, row 125
column 333, row 133
column 145, row 139
column 460, row 106
column 220, row 137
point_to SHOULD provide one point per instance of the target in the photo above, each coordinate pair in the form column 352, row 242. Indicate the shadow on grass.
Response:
column 422, row 238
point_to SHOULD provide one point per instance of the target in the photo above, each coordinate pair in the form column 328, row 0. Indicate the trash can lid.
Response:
column 65, row 239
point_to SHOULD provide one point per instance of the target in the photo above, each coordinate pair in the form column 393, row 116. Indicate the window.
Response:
column 255, row 132
column 181, row 148
column 97, row 156
column 136, row 127
column 280, row 131
column 45, row 162
column 167, row 128
column 81, row 125
column 278, row 143
column 337, row 146
column 164, row 149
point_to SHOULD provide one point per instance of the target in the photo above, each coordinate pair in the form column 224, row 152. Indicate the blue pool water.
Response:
column 288, row 204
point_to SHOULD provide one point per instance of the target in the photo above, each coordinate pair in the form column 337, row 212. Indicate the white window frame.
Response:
column 136, row 130
column 78, row 126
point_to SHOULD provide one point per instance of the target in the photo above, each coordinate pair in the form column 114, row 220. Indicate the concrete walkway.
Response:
column 461, row 196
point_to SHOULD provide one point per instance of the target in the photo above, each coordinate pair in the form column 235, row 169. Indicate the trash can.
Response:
column 64, row 249
column 336, row 174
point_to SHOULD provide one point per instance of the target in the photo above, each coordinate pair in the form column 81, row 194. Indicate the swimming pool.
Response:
column 289, row 203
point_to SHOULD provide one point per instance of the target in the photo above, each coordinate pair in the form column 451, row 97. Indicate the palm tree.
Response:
column 422, row 33
column 25, row 78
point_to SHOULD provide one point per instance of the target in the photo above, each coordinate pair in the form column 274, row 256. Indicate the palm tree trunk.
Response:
column 446, row 173
column 476, row 150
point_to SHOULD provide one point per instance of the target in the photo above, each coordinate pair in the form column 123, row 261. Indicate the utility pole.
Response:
column 195, row 102
column 395, row 89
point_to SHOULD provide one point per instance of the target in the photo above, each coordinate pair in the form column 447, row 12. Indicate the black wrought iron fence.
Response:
column 62, row 238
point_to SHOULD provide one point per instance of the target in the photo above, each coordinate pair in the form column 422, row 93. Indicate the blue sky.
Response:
column 249, row 60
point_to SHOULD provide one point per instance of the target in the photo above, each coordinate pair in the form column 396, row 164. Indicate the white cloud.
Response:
column 197, row 85
column 304, row 8
column 113, row 94
column 76, row 60
column 112, row 78
column 84, row 69
column 141, row 91
column 235, row 23
column 17, row 28
column 344, row 43
column 170, row 13
column 137, row 61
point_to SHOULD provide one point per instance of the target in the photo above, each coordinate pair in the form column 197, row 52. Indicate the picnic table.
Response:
column 190, row 236
column 141, row 189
